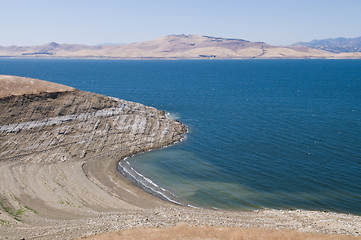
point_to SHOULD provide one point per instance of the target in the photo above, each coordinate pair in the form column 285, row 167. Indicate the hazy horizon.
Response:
column 93, row 22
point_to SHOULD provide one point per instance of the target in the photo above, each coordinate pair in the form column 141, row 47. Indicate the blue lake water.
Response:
column 280, row 134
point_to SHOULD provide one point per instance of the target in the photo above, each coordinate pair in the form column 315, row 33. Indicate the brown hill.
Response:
column 12, row 85
column 174, row 47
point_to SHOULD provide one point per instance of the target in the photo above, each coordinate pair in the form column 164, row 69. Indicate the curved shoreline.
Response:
column 59, row 177
column 146, row 184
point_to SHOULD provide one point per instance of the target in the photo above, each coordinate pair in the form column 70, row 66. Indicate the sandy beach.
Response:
column 59, row 149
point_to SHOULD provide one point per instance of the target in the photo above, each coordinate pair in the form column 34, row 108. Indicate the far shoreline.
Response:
column 173, row 59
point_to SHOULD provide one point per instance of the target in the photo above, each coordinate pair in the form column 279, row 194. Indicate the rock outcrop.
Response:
column 59, row 148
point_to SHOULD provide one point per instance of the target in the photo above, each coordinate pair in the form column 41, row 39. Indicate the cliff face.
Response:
column 53, row 127
column 58, row 153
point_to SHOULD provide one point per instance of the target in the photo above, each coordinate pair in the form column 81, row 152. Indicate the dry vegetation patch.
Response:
column 17, row 86
column 184, row 232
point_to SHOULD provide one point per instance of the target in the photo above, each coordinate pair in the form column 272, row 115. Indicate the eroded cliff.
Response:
column 59, row 149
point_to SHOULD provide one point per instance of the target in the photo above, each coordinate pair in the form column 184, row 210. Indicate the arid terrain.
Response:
column 182, row 232
column 176, row 47
column 59, row 149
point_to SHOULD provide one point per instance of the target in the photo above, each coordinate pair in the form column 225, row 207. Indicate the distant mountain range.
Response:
column 334, row 45
column 181, row 47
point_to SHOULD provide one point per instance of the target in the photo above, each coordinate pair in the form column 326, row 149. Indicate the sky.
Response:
column 92, row 22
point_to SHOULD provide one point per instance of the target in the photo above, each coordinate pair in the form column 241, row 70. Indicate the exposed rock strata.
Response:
column 58, row 149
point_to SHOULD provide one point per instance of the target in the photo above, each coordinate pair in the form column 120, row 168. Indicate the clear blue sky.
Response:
column 279, row 22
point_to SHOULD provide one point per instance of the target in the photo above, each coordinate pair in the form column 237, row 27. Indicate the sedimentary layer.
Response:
column 59, row 149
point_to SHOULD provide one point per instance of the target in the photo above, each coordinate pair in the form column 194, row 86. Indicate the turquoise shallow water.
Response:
column 262, row 133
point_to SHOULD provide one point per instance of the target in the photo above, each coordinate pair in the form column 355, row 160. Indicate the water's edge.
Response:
column 146, row 184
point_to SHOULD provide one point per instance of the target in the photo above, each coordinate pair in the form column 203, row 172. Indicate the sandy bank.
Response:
column 58, row 179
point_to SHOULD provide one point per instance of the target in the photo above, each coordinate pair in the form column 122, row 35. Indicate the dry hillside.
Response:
column 174, row 47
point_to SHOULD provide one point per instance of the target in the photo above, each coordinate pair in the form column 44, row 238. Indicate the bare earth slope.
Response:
column 175, row 47
column 59, row 149
column 12, row 86
column 58, row 180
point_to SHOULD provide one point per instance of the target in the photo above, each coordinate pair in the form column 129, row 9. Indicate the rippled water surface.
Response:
column 262, row 133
